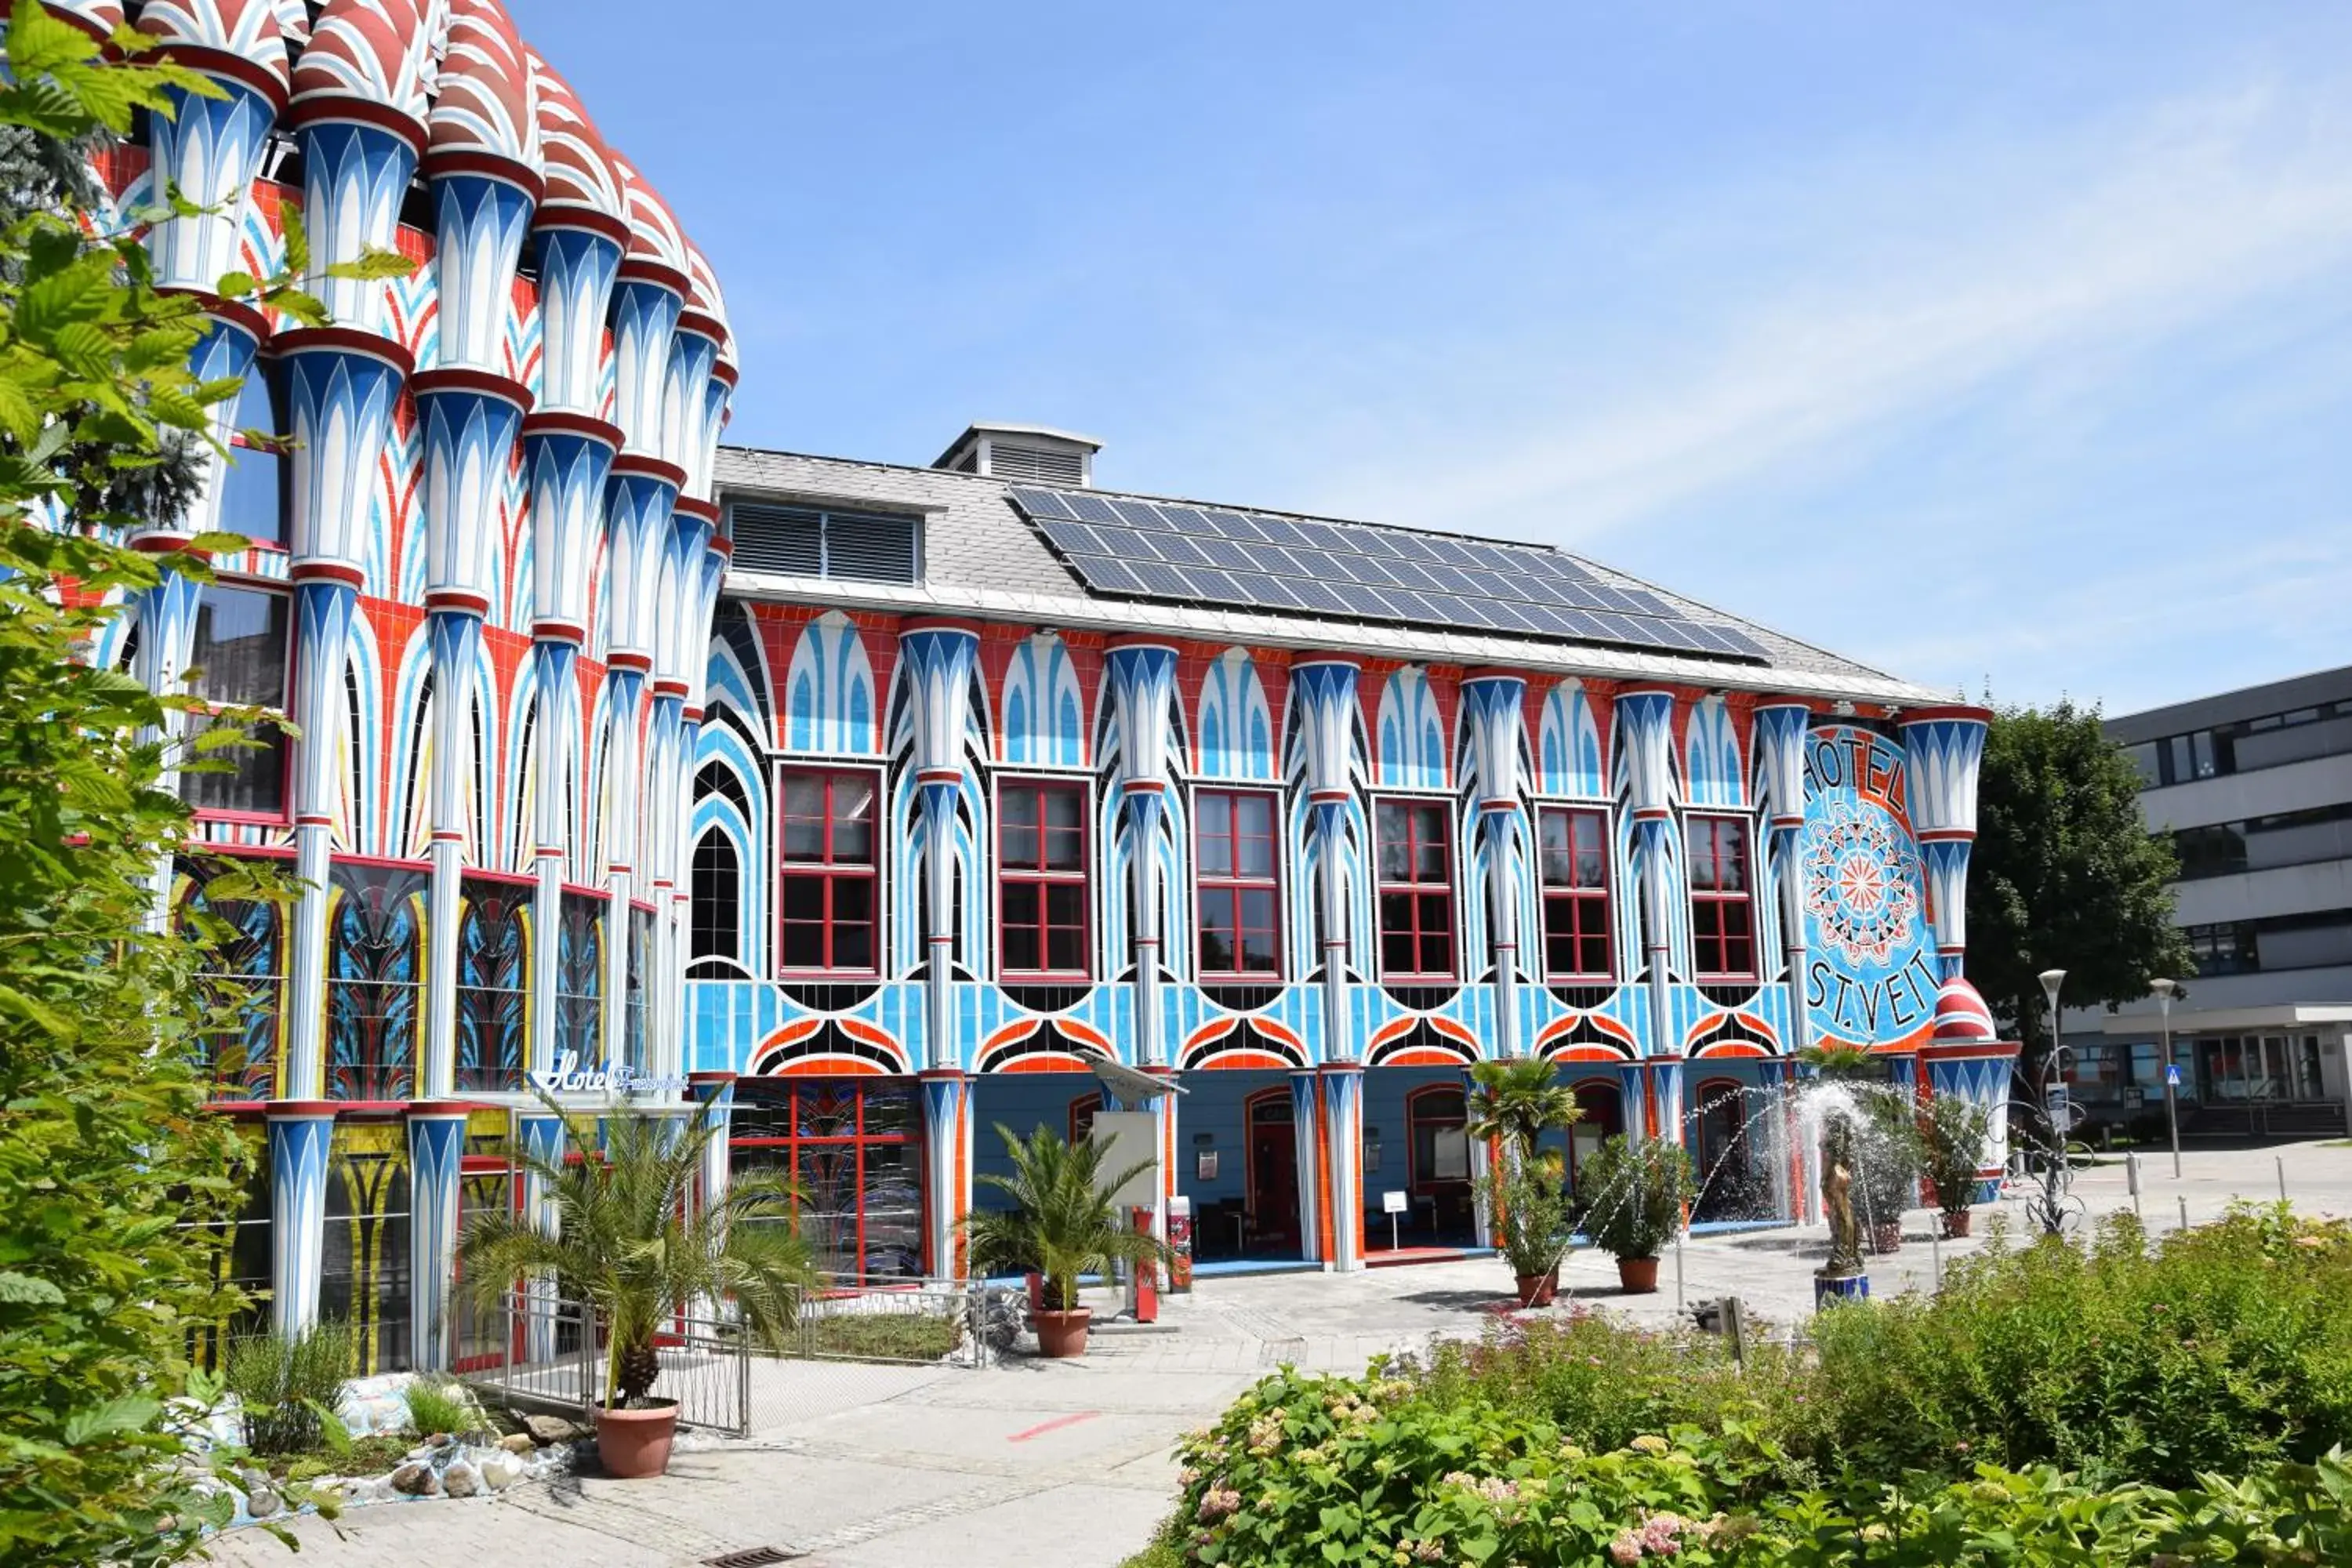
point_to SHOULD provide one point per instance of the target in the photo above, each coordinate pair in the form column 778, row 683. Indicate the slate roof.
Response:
column 983, row 559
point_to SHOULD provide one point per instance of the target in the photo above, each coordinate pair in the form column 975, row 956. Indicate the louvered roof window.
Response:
column 809, row 542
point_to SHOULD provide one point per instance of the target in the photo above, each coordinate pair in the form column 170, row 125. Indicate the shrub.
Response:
column 1890, row 1149
column 283, row 1385
column 1955, row 1133
column 441, row 1404
column 1532, row 1217
column 1634, row 1194
column 2228, row 1345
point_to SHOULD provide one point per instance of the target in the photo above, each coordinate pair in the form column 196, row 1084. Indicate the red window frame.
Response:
column 1224, row 891
column 1574, row 911
column 1038, row 872
column 829, row 873
column 1417, row 932
column 857, row 1140
column 285, row 812
column 1722, row 919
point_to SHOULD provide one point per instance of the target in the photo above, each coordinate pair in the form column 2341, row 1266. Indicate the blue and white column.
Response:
column 935, row 662
column 437, row 1154
column 1781, row 731
column 542, row 1137
column 1646, row 725
column 1142, row 676
column 1343, row 1085
column 1307, row 1133
column 1325, row 692
column 947, row 1170
column 301, row 1143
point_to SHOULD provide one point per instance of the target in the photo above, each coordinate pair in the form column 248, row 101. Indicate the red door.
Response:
column 1272, row 1173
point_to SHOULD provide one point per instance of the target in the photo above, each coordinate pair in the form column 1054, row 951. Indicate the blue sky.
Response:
column 1988, row 343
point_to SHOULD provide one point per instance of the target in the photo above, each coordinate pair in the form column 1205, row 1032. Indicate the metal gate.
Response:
column 851, row 1344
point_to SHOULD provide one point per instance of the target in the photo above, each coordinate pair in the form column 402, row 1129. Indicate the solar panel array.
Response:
column 1233, row 560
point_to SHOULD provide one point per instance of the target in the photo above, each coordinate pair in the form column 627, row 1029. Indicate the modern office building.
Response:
column 859, row 807
column 2255, row 787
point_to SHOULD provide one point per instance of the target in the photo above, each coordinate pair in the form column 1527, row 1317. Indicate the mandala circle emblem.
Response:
column 1862, row 888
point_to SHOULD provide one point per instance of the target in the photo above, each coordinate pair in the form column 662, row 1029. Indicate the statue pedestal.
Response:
column 1834, row 1287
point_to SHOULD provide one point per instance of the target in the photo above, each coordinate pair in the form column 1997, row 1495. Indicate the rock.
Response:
column 420, row 1454
column 461, row 1479
column 501, row 1469
column 549, row 1430
column 416, row 1480
column 252, row 1478
column 262, row 1501
column 438, row 1440
column 517, row 1443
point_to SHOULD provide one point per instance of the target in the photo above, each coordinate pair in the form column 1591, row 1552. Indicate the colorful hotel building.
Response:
column 862, row 807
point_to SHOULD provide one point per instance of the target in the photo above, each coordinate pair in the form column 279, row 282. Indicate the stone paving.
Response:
column 1069, row 1464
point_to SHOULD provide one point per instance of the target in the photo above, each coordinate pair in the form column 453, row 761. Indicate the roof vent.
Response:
column 1031, row 454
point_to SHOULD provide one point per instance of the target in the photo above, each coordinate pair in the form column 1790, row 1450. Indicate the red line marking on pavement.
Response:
column 1056, row 1424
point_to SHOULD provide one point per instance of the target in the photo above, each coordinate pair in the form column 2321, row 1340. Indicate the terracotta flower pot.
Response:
column 1062, row 1334
column 1886, row 1237
column 633, row 1443
column 1536, row 1289
column 1956, row 1222
column 1639, row 1276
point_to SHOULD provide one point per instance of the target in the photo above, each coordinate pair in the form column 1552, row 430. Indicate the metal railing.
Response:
column 851, row 1345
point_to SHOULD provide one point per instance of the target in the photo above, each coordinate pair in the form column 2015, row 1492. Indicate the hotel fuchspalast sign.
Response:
column 621, row 1081
column 1870, row 973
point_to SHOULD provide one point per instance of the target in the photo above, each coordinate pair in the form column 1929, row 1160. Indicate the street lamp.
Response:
column 2165, row 991
column 2053, row 1086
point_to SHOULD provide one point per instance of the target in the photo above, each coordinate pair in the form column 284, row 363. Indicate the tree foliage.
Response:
column 114, row 1183
column 2065, row 874
column 1062, row 1223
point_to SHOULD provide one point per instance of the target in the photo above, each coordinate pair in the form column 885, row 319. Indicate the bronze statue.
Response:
column 1837, row 1203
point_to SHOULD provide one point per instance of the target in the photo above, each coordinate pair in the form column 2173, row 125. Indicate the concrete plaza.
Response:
column 1069, row 1463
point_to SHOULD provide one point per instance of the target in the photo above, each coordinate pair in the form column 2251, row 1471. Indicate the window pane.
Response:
column 1557, row 861
column 1216, row 942
column 1216, row 813
column 239, row 648
column 853, row 899
column 1065, row 850
column 1429, row 859
column 1253, row 816
column 256, row 781
column 1257, row 909
column 1257, row 844
column 1396, row 854
column 853, row 820
column 1020, row 844
column 1734, row 857
column 1064, row 808
column 1020, row 947
column 1216, row 853
column 804, row 817
column 803, row 898
column 1428, row 823
column 1021, row 806
column 1020, row 903
column 1065, row 904
column 1064, row 951
column 853, row 945
column 251, row 494
column 805, row 945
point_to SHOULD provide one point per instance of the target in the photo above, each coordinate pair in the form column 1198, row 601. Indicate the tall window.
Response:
column 1041, row 866
column 1574, row 849
column 1235, row 852
column 850, row 1150
column 1416, row 888
column 1723, row 924
column 717, row 897
column 829, row 873
column 254, row 480
column 238, row 653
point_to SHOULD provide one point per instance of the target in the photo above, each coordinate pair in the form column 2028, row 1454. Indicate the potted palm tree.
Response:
column 1514, row 1101
column 1634, row 1195
column 1954, row 1133
column 636, row 1248
column 1064, row 1221
column 1890, row 1151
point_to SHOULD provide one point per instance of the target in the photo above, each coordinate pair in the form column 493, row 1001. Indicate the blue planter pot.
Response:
column 1829, row 1288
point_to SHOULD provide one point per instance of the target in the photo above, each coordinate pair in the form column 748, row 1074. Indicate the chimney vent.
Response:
column 1028, row 454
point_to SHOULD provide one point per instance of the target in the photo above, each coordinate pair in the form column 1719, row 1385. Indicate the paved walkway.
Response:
column 1068, row 1463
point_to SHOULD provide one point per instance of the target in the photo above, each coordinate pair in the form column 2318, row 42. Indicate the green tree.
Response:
column 1063, row 1221
column 115, row 1181
column 1518, row 1101
column 2065, row 875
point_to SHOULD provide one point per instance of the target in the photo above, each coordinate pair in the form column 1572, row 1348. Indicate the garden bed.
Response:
column 2099, row 1404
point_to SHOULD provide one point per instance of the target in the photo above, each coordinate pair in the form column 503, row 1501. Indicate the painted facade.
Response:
column 856, row 872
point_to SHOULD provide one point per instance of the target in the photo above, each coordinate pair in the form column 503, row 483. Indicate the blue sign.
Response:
column 2172, row 1076
column 1870, row 971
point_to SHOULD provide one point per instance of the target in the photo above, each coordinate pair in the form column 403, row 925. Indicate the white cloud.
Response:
column 2125, row 234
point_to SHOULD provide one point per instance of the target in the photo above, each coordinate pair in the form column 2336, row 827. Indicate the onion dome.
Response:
column 1961, row 1015
column 579, row 170
column 487, row 105
column 237, row 38
column 98, row 18
column 657, row 244
column 704, row 299
column 293, row 19
column 366, row 52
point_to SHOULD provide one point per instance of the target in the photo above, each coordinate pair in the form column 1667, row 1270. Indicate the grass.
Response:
column 369, row 1457
column 438, row 1405
column 908, row 1336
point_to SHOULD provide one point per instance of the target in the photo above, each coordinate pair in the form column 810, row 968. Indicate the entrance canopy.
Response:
column 1129, row 1087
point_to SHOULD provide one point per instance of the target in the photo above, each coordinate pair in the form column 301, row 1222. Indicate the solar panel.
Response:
column 1128, row 546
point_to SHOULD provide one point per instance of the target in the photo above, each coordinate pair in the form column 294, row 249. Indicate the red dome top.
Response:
column 655, row 238
column 97, row 18
column 247, row 29
column 579, row 170
column 703, row 295
column 485, row 102
column 1962, row 1014
column 367, row 51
